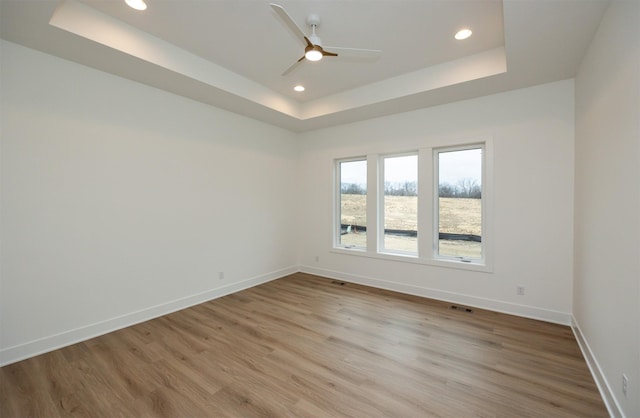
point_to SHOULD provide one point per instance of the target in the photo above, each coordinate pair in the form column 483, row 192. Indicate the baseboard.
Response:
column 603, row 385
column 473, row 301
column 33, row 348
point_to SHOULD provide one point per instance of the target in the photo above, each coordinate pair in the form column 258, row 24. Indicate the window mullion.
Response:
column 425, row 203
column 372, row 202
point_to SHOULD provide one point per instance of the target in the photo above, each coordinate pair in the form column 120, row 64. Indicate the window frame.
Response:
column 380, row 218
column 337, row 216
column 436, row 204
column 427, row 194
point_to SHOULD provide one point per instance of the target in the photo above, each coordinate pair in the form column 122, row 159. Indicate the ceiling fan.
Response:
column 314, row 51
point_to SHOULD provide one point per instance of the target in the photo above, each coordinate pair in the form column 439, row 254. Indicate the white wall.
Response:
column 533, row 132
column 607, row 204
column 121, row 202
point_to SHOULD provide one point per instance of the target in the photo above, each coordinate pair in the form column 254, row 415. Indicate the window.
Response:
column 400, row 204
column 352, row 197
column 458, row 174
column 427, row 206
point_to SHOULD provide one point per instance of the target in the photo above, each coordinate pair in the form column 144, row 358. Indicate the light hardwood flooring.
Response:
column 309, row 346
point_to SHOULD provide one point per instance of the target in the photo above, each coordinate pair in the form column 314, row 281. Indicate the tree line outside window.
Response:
column 465, row 188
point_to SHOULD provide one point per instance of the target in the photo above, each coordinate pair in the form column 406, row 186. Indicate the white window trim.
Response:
column 381, row 205
column 426, row 251
column 436, row 215
column 337, row 198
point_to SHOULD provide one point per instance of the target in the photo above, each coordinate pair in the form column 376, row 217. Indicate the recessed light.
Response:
column 299, row 88
column 463, row 34
column 137, row 4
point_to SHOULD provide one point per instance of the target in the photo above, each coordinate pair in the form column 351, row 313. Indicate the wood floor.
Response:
column 308, row 346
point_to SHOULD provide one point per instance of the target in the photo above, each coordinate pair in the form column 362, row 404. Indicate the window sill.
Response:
column 405, row 258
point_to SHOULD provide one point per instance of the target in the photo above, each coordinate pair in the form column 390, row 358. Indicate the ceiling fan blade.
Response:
column 293, row 66
column 355, row 52
column 309, row 43
column 289, row 21
column 328, row 54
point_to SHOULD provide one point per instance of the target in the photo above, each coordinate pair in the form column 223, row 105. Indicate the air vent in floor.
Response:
column 461, row 308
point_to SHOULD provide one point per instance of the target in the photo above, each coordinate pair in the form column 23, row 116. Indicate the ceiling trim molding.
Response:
column 84, row 21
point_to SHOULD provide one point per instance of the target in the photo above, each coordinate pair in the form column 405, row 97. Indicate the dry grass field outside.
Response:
column 457, row 216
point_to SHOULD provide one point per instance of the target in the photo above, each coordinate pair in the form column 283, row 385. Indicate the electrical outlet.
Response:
column 221, row 275
column 317, row 259
column 520, row 290
column 625, row 384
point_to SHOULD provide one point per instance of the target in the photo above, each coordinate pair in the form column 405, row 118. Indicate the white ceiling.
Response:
column 231, row 53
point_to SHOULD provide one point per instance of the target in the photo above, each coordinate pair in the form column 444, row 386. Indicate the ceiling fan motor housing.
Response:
column 313, row 20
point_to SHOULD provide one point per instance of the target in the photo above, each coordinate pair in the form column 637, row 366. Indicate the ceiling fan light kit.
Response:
column 313, row 53
column 314, row 50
